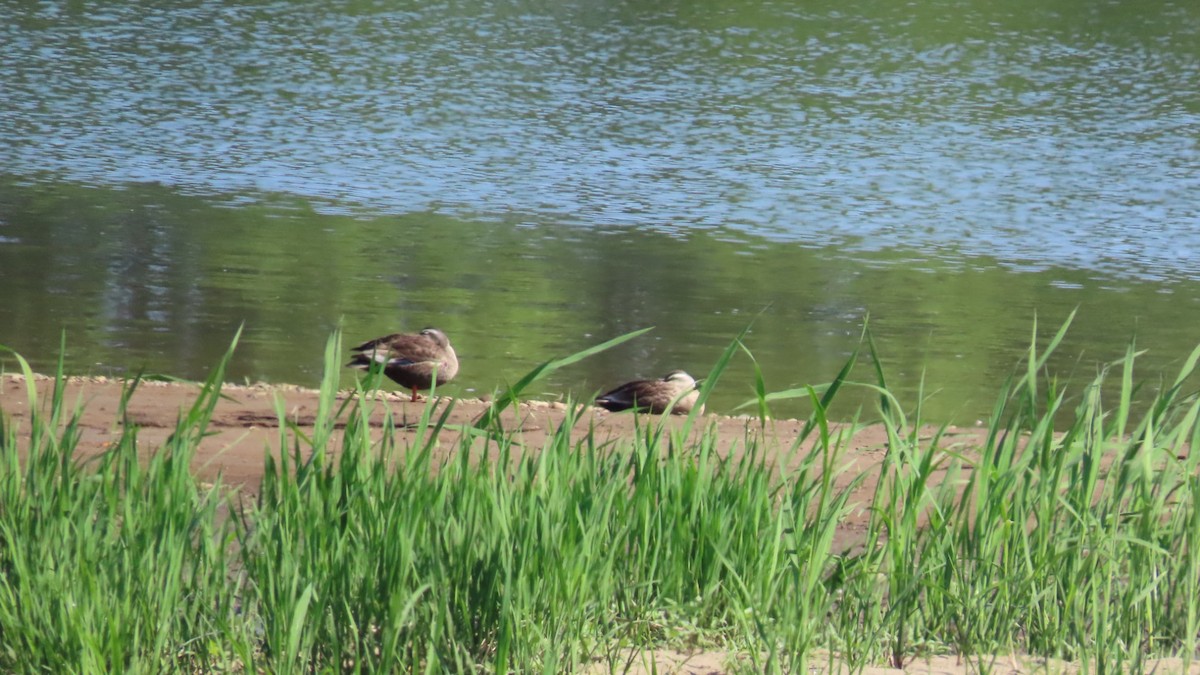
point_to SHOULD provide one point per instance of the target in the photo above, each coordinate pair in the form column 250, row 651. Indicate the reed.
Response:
column 1079, row 541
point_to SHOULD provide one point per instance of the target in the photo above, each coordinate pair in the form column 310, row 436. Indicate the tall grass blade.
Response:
column 513, row 393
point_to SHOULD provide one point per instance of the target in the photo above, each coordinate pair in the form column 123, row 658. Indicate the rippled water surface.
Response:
column 535, row 177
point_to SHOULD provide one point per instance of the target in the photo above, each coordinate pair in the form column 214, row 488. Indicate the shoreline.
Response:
column 245, row 426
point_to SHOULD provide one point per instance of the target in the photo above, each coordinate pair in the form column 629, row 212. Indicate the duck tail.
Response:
column 613, row 404
column 360, row 361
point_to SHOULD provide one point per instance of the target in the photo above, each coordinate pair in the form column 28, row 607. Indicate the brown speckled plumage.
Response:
column 654, row 396
column 410, row 360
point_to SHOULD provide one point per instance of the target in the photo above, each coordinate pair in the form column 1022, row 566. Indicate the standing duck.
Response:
column 676, row 391
column 410, row 361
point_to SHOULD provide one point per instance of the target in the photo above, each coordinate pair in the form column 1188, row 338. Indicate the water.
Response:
column 536, row 177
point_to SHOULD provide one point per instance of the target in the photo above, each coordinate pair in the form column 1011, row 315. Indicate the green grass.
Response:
column 1080, row 541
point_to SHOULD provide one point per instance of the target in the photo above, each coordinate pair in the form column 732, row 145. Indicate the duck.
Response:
column 412, row 361
column 676, row 391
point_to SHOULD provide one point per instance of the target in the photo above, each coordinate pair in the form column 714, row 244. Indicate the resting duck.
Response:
column 410, row 360
column 654, row 396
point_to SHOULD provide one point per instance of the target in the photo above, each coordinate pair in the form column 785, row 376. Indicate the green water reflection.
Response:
column 146, row 278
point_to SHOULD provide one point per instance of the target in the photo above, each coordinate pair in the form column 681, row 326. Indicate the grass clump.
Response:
column 118, row 566
column 360, row 555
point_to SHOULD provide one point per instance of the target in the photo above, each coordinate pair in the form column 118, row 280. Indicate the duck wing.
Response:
column 398, row 349
column 639, row 393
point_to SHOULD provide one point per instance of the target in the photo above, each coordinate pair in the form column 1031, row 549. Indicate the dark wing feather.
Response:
column 379, row 344
column 400, row 348
column 625, row 396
